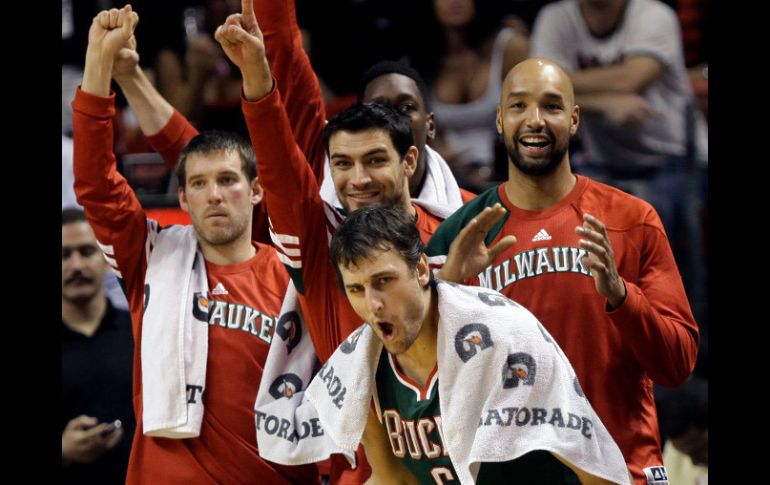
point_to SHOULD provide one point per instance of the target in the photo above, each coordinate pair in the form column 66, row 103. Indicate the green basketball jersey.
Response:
column 412, row 420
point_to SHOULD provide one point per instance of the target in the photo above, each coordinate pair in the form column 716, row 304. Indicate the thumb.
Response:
column 235, row 33
column 82, row 422
column 126, row 54
column 501, row 246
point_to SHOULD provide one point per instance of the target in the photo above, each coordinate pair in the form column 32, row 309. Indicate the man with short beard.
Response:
column 97, row 418
column 204, row 299
column 592, row 263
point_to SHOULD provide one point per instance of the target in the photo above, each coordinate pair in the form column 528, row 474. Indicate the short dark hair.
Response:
column 213, row 141
column 368, row 116
column 382, row 227
column 394, row 67
column 72, row 214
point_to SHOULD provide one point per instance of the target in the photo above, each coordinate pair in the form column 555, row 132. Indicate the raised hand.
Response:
column 601, row 260
column 242, row 41
column 468, row 254
column 126, row 60
column 110, row 31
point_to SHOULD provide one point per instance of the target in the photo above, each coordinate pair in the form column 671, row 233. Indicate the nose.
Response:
column 534, row 118
column 374, row 302
column 361, row 175
column 215, row 193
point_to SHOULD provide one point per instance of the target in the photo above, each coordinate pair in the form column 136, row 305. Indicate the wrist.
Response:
column 615, row 301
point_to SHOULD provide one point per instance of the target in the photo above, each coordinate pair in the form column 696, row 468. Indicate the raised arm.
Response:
column 165, row 128
column 297, row 213
column 294, row 77
column 110, row 205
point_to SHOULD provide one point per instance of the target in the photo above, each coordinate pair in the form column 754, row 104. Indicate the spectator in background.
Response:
column 467, row 53
column 683, row 415
column 640, row 129
column 97, row 349
column 110, row 282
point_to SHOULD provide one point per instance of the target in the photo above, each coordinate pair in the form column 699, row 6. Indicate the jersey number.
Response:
column 442, row 475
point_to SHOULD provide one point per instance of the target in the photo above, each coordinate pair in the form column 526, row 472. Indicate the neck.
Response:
column 84, row 318
column 419, row 360
column 539, row 192
column 234, row 252
column 455, row 39
column 417, row 180
column 406, row 202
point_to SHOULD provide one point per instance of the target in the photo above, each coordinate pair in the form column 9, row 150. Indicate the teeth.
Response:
column 532, row 139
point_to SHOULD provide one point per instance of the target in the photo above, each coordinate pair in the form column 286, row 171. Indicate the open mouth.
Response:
column 386, row 329
column 535, row 142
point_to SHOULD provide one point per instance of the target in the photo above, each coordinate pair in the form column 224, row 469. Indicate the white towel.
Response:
column 288, row 429
column 508, row 390
column 440, row 194
column 174, row 345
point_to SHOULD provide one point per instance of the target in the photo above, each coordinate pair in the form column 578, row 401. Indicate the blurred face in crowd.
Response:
column 454, row 13
column 219, row 197
column 389, row 295
column 402, row 92
column 367, row 169
column 537, row 116
column 602, row 17
column 82, row 264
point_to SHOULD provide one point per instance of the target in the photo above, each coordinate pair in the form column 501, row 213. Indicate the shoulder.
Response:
column 645, row 10
column 616, row 209
column 446, row 232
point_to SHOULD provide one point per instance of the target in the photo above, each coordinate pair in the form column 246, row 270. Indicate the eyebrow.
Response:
column 546, row 95
column 385, row 272
column 374, row 151
column 400, row 98
column 217, row 174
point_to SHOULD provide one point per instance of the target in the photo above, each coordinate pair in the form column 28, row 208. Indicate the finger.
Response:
column 82, row 422
column 114, row 438
column 114, row 14
column 124, row 22
column 501, row 246
column 220, row 36
column 236, row 34
column 127, row 54
column 103, row 19
column 133, row 20
column 595, row 223
column 131, row 44
column 491, row 216
column 233, row 19
column 595, row 266
column 470, row 235
column 96, row 432
column 249, row 18
column 591, row 235
column 593, row 248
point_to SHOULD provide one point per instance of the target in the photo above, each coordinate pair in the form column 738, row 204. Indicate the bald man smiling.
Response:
column 592, row 263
